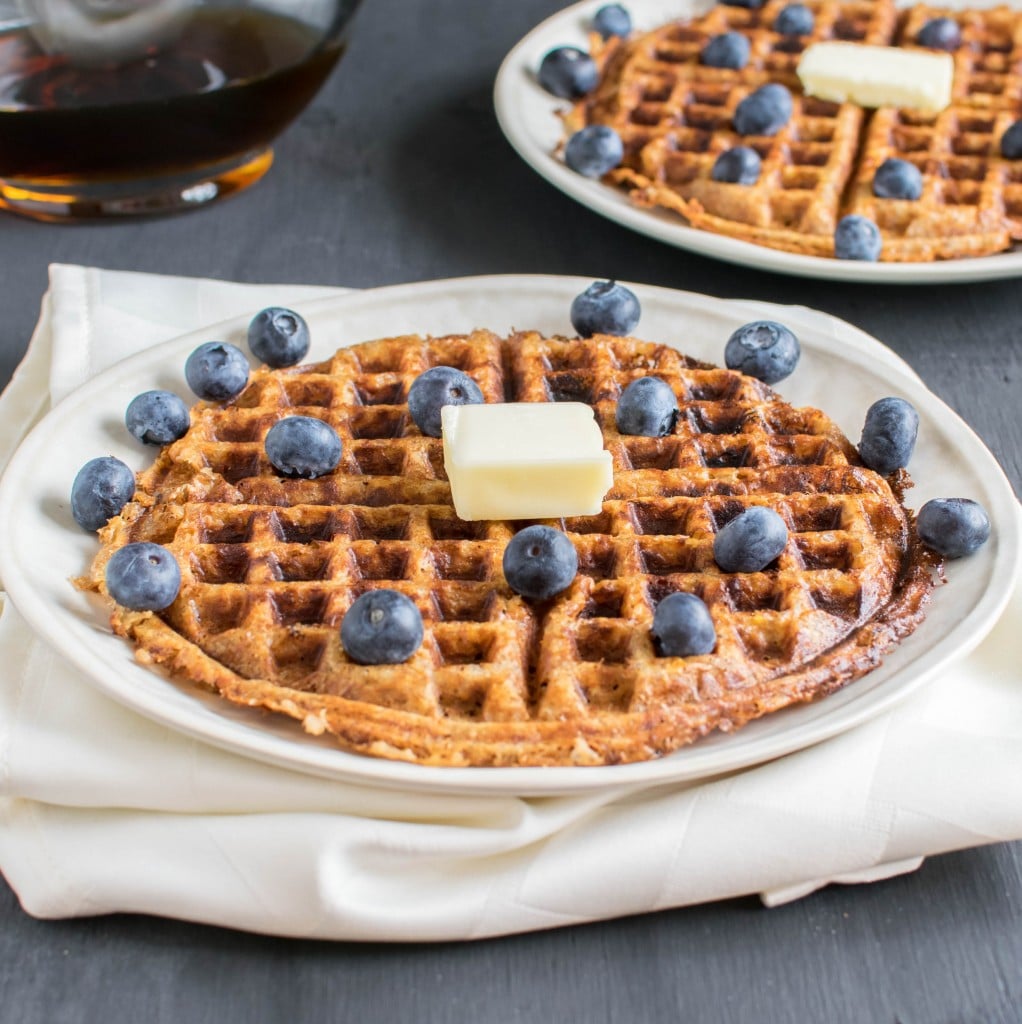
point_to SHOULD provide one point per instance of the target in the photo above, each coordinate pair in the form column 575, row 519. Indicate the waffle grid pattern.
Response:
column 270, row 565
column 675, row 117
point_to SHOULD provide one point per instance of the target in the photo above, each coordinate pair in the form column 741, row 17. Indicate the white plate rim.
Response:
column 519, row 100
column 687, row 765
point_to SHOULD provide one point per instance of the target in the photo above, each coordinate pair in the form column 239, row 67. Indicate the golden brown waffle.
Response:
column 674, row 117
column 270, row 565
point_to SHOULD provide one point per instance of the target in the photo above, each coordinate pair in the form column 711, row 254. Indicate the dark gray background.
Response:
column 398, row 173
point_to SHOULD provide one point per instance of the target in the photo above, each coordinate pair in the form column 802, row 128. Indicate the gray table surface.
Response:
column 397, row 173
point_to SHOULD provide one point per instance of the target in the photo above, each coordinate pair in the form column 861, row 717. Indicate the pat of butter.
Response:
column 525, row 460
column 877, row 76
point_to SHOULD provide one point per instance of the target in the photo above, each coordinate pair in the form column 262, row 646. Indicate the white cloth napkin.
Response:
column 101, row 810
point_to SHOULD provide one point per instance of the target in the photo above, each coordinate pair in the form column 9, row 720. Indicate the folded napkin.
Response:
column 102, row 810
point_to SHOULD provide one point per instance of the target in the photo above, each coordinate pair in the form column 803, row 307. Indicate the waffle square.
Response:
column 971, row 203
column 972, row 197
column 270, row 565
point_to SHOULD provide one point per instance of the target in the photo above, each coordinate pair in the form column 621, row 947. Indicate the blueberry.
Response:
column 728, row 50
column 763, row 349
column 437, row 387
column 382, row 627
column 889, row 435
column 539, row 562
column 279, row 337
column 568, row 72
column 682, row 627
column 647, row 408
column 217, row 371
column 752, row 5
column 765, row 111
column 857, row 238
column 740, row 165
column 897, row 179
column 612, row 20
column 100, row 490
column 953, row 527
column 605, row 307
column 157, row 417
column 1011, row 142
column 751, row 541
column 794, row 20
column 940, row 34
column 143, row 577
column 303, row 446
column 594, row 150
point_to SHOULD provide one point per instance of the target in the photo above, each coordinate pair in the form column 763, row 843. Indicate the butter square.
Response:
column 877, row 76
column 525, row 460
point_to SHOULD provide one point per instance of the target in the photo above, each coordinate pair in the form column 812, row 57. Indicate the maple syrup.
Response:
column 206, row 104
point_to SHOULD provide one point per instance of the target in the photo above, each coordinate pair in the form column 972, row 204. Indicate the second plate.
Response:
column 529, row 118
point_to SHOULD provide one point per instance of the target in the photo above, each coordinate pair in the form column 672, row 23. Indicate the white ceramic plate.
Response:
column 40, row 546
column 529, row 117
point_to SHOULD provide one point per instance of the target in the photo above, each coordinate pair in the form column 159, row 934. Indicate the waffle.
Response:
column 269, row 565
column 674, row 117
